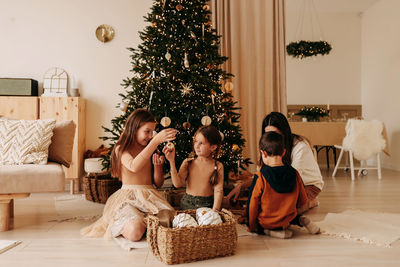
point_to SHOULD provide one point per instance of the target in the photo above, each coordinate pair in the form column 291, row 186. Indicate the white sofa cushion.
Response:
column 25, row 141
column 31, row 178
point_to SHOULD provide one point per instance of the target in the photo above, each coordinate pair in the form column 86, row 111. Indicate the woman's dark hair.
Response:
column 213, row 136
column 279, row 121
column 128, row 137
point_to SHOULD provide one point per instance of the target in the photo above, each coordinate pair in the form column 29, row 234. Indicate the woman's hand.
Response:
column 164, row 136
column 158, row 160
column 169, row 154
column 234, row 194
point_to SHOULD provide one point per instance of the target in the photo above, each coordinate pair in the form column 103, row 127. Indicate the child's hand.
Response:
column 165, row 135
column 169, row 154
column 158, row 160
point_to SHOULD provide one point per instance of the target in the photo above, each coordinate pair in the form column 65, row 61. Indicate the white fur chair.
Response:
column 363, row 140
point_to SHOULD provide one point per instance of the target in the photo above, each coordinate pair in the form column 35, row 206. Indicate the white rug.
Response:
column 76, row 207
column 380, row 229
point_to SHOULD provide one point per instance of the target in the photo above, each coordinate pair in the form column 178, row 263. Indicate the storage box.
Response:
column 18, row 87
column 186, row 244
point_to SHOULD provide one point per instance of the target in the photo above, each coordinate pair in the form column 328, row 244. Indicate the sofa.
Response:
column 18, row 179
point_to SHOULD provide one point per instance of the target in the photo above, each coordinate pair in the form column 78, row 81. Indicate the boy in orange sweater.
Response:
column 276, row 193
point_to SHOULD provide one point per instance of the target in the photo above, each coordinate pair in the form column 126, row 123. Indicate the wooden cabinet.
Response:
column 69, row 108
column 19, row 107
column 59, row 108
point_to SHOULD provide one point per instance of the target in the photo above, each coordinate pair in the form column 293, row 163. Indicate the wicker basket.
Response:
column 100, row 188
column 186, row 244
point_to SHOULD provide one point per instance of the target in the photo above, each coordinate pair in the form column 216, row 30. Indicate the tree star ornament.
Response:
column 165, row 121
column 187, row 88
column 206, row 120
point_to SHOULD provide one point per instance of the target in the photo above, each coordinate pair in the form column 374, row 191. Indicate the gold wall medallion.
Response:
column 105, row 33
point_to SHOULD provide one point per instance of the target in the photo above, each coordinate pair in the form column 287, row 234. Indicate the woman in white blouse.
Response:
column 299, row 154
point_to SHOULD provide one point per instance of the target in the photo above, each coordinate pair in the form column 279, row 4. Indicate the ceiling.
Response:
column 357, row 6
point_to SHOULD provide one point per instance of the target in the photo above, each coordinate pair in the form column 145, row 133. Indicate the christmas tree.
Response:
column 178, row 77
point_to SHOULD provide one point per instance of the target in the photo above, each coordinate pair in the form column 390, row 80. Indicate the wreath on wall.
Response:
column 302, row 49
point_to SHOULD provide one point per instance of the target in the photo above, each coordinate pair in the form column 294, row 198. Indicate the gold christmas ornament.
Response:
column 206, row 120
column 235, row 147
column 206, row 7
column 165, row 121
column 167, row 56
column 179, row 7
column 153, row 24
column 170, row 146
column 186, row 125
column 228, row 87
column 193, row 35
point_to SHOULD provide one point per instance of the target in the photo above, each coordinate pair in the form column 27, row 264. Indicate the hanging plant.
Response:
column 303, row 48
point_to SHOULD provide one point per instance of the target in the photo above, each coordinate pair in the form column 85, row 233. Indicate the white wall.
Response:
column 334, row 78
column 381, row 71
column 37, row 35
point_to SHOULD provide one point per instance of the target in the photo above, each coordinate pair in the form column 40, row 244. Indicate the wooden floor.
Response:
column 59, row 243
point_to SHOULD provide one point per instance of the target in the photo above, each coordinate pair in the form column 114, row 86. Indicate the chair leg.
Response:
column 327, row 156
column 378, row 162
column 351, row 165
column 362, row 164
column 334, row 154
column 338, row 162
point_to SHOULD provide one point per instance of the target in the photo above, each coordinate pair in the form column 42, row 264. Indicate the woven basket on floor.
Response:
column 100, row 188
column 186, row 244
